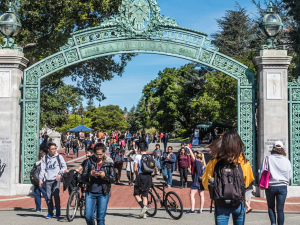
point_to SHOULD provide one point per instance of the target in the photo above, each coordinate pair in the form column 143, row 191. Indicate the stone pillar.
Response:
column 12, row 64
column 272, row 77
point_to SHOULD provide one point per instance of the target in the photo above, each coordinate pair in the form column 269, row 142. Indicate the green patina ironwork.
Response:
column 138, row 28
column 294, row 129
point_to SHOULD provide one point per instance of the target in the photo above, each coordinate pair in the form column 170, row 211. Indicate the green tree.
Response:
column 109, row 117
column 70, row 124
column 133, row 120
column 55, row 105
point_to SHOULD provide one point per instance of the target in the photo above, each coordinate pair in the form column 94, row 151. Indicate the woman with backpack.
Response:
column 197, row 172
column 230, row 171
column 182, row 165
column 280, row 170
column 120, row 145
column 130, row 166
column 75, row 144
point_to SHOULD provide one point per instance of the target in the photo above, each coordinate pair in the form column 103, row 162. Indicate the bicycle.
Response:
column 76, row 201
column 170, row 200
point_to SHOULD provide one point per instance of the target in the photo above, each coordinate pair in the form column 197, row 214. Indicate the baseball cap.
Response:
column 278, row 143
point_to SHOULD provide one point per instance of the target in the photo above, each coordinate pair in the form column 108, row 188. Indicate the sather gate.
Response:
column 137, row 28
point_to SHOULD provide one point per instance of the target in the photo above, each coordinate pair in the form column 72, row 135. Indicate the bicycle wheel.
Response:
column 152, row 206
column 173, row 205
column 72, row 206
column 82, row 208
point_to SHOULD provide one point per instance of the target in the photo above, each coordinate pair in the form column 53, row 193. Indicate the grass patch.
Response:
column 181, row 139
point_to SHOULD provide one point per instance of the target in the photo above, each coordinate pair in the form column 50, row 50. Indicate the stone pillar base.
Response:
column 16, row 189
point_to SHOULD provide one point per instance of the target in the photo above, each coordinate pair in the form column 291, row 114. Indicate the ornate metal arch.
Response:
column 138, row 28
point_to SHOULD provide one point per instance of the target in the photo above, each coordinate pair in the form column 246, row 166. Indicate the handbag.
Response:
column 264, row 180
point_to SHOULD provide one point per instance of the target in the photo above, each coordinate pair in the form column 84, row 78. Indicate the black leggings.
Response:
column 130, row 176
column 183, row 175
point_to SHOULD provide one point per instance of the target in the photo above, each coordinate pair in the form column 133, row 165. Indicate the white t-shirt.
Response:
column 138, row 160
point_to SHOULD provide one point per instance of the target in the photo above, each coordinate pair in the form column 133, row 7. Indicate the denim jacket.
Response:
column 172, row 160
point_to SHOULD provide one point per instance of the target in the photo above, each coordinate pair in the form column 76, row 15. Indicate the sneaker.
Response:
column 38, row 211
column 57, row 212
column 200, row 212
column 181, row 187
column 145, row 216
column 143, row 211
column 49, row 216
column 190, row 212
column 169, row 186
column 185, row 185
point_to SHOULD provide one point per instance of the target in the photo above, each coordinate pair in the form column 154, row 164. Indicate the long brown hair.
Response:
column 180, row 154
column 214, row 148
column 231, row 149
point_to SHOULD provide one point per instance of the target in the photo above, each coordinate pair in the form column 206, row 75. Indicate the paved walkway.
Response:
column 122, row 195
column 129, row 217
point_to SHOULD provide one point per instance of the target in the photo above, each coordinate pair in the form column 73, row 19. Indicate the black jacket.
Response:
column 107, row 167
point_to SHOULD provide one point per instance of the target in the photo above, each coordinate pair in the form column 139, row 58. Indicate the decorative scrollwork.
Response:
column 31, row 93
column 246, row 129
column 70, row 44
column 295, row 82
column 295, row 145
column 296, row 94
column 246, row 94
column 206, row 56
column 72, row 55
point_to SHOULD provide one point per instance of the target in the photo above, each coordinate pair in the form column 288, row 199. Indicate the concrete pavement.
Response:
column 129, row 217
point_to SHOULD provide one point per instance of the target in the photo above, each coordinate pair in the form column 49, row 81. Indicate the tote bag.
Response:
column 264, row 180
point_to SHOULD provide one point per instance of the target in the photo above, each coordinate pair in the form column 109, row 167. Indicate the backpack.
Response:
column 229, row 187
column 82, row 134
column 147, row 164
column 34, row 174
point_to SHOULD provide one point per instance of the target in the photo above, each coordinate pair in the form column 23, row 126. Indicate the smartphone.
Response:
column 97, row 170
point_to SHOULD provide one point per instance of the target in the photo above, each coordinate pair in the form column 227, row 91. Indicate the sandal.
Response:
column 249, row 210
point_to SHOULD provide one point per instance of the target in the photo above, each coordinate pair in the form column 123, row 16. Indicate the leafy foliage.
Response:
column 71, row 123
column 134, row 119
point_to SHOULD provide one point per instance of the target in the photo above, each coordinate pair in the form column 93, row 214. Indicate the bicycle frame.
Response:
column 162, row 201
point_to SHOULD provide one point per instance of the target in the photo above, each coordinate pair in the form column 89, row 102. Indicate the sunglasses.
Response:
column 99, row 155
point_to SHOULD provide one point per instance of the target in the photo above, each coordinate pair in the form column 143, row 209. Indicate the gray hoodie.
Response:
column 52, row 169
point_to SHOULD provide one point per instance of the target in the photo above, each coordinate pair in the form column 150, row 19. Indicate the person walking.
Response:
column 68, row 144
column 280, row 175
column 183, row 162
column 168, row 165
column 230, row 161
column 161, row 136
column 128, row 139
column 118, row 159
column 75, row 144
column 130, row 166
column 99, row 175
column 81, row 139
column 53, row 166
column 147, row 138
column 157, row 155
column 198, row 170
column 87, row 143
column 134, row 147
column 112, row 147
column 165, row 141
column 37, row 191
column 143, row 181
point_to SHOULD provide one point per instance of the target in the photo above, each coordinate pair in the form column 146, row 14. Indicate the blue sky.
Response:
column 200, row 15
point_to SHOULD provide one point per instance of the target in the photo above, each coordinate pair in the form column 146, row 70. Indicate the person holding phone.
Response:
column 168, row 165
column 99, row 175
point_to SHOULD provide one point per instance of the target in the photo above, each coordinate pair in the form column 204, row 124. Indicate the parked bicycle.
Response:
column 170, row 200
column 76, row 200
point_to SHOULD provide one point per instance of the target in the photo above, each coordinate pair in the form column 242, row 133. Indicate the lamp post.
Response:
column 10, row 26
column 270, row 26
column 81, row 119
column 75, row 116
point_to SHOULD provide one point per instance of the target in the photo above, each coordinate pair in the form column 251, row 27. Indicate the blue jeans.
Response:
column 167, row 174
column 95, row 202
column 238, row 215
column 279, row 193
column 75, row 149
column 37, row 196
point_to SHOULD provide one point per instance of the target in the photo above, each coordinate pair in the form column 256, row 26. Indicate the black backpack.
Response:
column 34, row 174
column 229, row 187
column 148, row 164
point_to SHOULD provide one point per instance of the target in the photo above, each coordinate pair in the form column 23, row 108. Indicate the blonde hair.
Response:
column 202, row 159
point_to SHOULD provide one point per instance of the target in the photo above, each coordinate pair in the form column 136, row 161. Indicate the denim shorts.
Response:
column 195, row 188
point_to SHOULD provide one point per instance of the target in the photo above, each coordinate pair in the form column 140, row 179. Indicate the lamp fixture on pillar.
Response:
column 10, row 26
column 270, row 26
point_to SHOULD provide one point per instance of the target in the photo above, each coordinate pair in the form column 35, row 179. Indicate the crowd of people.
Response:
column 227, row 176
